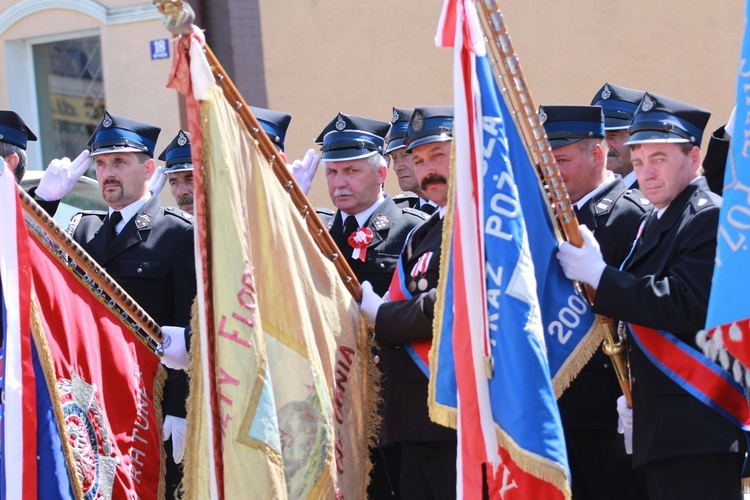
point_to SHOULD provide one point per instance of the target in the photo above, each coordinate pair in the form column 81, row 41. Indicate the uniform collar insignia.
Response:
column 142, row 221
column 380, row 221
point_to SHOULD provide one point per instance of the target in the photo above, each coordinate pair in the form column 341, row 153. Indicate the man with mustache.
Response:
column 428, row 449
column 687, row 446
column 403, row 166
column 619, row 105
column 369, row 230
column 147, row 249
column 599, row 465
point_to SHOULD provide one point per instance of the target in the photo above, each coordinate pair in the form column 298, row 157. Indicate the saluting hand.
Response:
column 584, row 264
column 304, row 171
column 156, row 184
column 61, row 175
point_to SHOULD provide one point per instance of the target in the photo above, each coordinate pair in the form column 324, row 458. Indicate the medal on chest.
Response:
column 419, row 274
column 359, row 240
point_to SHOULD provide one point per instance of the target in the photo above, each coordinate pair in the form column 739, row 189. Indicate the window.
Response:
column 69, row 93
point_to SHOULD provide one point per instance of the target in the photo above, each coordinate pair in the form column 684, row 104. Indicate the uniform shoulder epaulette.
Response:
column 325, row 211
column 637, row 198
column 415, row 212
column 404, row 196
column 703, row 199
column 73, row 224
column 179, row 213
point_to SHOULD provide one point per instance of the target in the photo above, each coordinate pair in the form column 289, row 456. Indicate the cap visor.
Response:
column 180, row 167
column 654, row 137
column 347, row 154
column 427, row 140
column 117, row 149
column 394, row 145
column 557, row 143
column 615, row 123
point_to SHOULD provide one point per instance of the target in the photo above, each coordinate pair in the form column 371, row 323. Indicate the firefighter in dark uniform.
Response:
column 619, row 105
column 403, row 167
column 599, row 465
column 147, row 249
column 370, row 231
column 428, row 449
column 687, row 449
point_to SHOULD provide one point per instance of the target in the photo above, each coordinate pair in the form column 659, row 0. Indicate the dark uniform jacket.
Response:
column 389, row 225
column 666, row 286
column 715, row 161
column 411, row 200
column 406, row 417
column 152, row 259
column 613, row 215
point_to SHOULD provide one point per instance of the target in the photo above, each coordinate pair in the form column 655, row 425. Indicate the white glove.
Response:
column 625, row 423
column 61, row 175
column 584, row 264
column 174, row 427
column 304, row 170
column 156, row 184
column 729, row 127
column 175, row 354
column 371, row 302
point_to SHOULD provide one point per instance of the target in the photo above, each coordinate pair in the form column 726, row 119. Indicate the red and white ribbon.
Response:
column 359, row 241
column 421, row 266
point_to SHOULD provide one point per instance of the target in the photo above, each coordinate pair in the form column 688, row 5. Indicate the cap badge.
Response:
column 606, row 93
column 340, row 124
column 417, row 122
column 542, row 115
column 181, row 139
column 648, row 103
column 107, row 121
column 396, row 116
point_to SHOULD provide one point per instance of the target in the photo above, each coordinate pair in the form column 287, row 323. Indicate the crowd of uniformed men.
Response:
column 631, row 163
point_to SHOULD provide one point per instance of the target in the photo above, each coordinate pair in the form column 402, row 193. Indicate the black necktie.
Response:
column 428, row 208
column 350, row 226
column 114, row 219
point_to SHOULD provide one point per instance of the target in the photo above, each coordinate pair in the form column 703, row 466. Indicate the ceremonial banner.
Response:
column 496, row 304
column 279, row 331
column 728, row 307
column 84, row 376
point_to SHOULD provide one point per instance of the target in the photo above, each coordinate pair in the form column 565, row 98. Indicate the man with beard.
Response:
column 370, row 231
column 619, row 105
column 599, row 465
column 403, row 166
column 147, row 249
column 688, row 447
column 428, row 449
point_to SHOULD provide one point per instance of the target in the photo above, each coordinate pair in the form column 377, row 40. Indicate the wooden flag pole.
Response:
column 509, row 76
column 90, row 273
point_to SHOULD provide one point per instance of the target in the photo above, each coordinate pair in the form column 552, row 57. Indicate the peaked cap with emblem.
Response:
column 660, row 119
column 429, row 124
column 274, row 123
column 349, row 137
column 177, row 156
column 399, row 123
column 619, row 105
column 123, row 135
column 14, row 130
column 569, row 124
